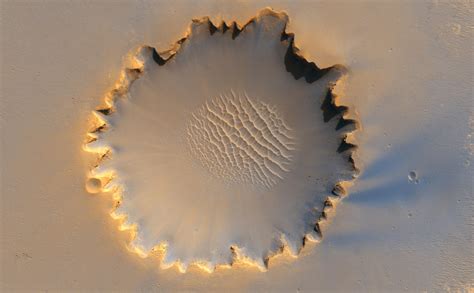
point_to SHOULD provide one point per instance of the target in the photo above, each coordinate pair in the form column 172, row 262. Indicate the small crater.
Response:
column 413, row 177
column 93, row 185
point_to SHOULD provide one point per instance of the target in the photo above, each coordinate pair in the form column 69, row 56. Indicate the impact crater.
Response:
column 188, row 133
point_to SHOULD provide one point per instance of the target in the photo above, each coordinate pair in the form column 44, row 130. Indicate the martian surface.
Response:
column 236, row 146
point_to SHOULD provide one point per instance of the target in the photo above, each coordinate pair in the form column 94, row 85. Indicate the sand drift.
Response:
column 228, row 147
column 241, row 140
